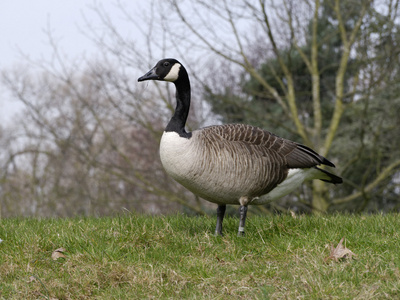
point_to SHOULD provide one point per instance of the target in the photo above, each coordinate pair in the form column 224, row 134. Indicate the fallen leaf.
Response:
column 340, row 252
column 293, row 214
column 58, row 253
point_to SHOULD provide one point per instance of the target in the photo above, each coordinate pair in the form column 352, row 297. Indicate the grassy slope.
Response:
column 132, row 257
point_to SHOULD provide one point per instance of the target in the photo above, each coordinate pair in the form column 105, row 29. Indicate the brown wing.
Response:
column 258, row 140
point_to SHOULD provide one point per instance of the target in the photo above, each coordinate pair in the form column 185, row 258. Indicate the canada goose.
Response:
column 233, row 163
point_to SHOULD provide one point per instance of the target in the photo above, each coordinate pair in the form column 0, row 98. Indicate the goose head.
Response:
column 167, row 69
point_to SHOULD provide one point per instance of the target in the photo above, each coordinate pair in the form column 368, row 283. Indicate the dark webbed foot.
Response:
column 220, row 218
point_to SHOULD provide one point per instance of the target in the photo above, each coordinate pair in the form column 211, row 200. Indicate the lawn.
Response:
column 140, row 257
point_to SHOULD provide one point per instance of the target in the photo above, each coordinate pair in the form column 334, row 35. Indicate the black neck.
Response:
column 178, row 120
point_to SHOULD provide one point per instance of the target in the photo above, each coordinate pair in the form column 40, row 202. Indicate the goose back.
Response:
column 224, row 163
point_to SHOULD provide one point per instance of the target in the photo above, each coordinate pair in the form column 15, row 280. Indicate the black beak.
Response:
column 150, row 75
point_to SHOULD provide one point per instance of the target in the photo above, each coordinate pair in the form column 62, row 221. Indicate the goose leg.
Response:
column 220, row 217
column 242, row 214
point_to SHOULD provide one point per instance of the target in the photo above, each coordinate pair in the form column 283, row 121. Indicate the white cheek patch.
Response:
column 173, row 74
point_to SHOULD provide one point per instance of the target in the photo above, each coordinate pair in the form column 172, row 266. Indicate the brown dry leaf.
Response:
column 340, row 252
column 58, row 253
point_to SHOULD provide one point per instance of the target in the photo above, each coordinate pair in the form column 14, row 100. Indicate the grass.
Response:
column 143, row 257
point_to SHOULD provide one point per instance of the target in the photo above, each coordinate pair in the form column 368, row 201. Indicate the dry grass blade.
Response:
column 339, row 252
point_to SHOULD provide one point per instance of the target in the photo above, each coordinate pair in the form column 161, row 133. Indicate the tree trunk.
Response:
column 319, row 202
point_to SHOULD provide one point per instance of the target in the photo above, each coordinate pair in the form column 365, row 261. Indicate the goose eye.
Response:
column 166, row 64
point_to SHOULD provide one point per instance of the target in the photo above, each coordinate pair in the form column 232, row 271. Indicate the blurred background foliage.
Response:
column 323, row 73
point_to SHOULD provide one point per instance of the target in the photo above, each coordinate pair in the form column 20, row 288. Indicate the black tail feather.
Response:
column 322, row 160
column 331, row 178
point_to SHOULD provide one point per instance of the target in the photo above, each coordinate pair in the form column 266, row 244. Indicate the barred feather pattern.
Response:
column 225, row 163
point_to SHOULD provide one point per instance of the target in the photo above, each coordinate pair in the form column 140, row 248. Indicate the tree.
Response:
column 311, row 72
column 322, row 73
column 85, row 146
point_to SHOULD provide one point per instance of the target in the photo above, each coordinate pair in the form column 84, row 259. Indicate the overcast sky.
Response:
column 23, row 26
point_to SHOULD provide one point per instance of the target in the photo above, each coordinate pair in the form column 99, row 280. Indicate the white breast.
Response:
column 176, row 155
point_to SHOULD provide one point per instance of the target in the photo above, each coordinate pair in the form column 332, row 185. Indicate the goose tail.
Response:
column 328, row 177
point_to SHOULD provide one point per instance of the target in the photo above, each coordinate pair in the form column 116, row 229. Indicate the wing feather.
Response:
column 257, row 140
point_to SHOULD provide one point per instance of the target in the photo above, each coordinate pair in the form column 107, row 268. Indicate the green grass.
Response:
column 136, row 257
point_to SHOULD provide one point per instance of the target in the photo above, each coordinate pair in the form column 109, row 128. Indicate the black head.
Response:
column 166, row 70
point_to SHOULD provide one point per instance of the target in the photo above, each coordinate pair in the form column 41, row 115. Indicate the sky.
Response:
column 23, row 24
column 23, row 27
